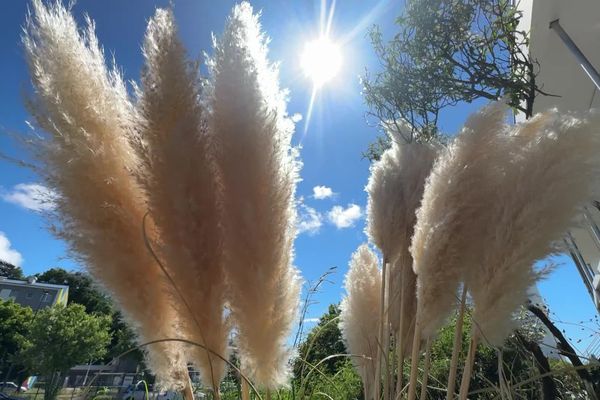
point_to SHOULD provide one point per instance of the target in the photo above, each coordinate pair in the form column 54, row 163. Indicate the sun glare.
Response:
column 321, row 60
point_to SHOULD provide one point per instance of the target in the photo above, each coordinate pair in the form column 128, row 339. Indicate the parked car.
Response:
column 135, row 392
column 11, row 387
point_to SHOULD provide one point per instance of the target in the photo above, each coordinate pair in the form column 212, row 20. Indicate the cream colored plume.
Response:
column 395, row 191
column 359, row 317
column 87, row 160
column 454, row 214
column 259, row 171
column 551, row 170
column 178, row 175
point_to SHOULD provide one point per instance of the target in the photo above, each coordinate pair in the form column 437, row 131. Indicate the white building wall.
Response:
column 560, row 74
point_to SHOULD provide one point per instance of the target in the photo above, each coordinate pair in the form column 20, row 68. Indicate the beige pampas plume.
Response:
column 178, row 175
column 358, row 316
column 87, row 160
column 259, row 171
column 551, row 171
column 453, row 212
column 395, row 190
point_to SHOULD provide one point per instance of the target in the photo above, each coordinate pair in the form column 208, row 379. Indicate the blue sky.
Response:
column 331, row 144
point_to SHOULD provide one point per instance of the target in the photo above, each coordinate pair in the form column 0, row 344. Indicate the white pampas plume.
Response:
column 259, row 171
column 551, row 171
column 87, row 160
column 358, row 315
column 395, row 191
column 178, row 175
column 452, row 215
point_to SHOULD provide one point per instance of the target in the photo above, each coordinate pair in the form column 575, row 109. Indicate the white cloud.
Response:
column 297, row 117
column 309, row 220
column 31, row 196
column 344, row 217
column 7, row 253
column 311, row 320
column 322, row 192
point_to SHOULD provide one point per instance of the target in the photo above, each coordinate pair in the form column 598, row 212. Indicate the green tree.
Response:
column 446, row 52
column 82, row 289
column 62, row 337
column 14, row 328
column 324, row 340
column 11, row 271
column 15, row 323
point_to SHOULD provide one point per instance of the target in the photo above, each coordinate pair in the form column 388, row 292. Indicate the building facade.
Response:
column 33, row 294
column 564, row 37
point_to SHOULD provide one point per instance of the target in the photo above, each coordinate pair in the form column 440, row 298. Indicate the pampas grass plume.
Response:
column 87, row 160
column 395, row 190
column 551, row 171
column 359, row 317
column 452, row 216
column 258, row 171
column 178, row 175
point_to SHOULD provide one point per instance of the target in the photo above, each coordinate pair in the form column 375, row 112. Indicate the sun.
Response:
column 321, row 60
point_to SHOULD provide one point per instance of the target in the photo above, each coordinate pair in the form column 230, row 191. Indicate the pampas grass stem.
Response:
column 456, row 346
column 468, row 369
column 414, row 362
column 245, row 390
column 425, row 378
column 380, row 352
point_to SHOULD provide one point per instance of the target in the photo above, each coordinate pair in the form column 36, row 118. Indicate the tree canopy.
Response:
column 11, row 271
column 62, row 337
column 446, row 52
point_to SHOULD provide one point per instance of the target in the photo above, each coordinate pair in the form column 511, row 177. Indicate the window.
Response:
column 4, row 294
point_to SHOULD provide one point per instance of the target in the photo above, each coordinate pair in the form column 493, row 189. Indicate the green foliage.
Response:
column 62, row 337
column 324, row 340
column 446, row 52
column 14, row 328
column 82, row 289
column 11, row 271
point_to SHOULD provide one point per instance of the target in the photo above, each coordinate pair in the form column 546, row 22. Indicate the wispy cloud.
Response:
column 345, row 217
column 31, row 196
column 297, row 117
column 322, row 192
column 7, row 253
column 309, row 220
column 311, row 320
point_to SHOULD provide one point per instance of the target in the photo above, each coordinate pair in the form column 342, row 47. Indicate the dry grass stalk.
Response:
column 456, row 347
column 357, row 319
column 426, row 366
column 87, row 160
column 259, row 171
column 178, row 174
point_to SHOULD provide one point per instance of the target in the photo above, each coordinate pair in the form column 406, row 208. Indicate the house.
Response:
column 31, row 293
column 564, row 37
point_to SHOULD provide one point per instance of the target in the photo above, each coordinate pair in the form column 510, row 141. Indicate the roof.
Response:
column 39, row 285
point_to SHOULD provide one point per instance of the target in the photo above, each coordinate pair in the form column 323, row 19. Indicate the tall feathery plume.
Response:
column 451, row 219
column 87, row 160
column 455, row 199
column 259, row 171
column 178, row 174
column 357, row 319
column 395, row 190
column 552, row 171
